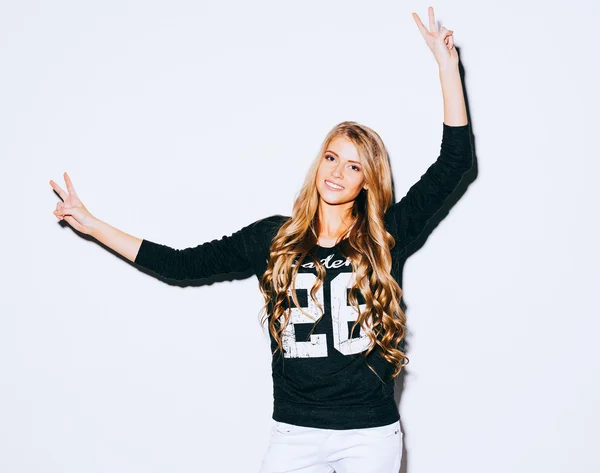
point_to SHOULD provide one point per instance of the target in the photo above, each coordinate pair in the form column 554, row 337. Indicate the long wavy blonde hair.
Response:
column 367, row 247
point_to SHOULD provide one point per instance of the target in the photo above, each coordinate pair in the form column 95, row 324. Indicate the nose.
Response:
column 337, row 171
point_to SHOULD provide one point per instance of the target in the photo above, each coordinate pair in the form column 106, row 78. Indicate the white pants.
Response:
column 297, row 449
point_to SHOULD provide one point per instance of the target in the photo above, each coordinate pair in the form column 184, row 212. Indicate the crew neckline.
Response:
column 331, row 247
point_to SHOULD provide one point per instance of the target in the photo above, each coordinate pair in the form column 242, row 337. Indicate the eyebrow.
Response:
column 350, row 160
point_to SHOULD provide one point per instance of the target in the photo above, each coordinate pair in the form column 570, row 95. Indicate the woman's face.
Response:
column 340, row 176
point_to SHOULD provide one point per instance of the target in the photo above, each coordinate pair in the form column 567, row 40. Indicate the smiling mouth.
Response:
column 333, row 186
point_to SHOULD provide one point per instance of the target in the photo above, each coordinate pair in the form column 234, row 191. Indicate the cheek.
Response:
column 322, row 169
column 358, row 182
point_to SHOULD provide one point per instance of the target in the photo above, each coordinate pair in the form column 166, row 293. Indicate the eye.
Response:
column 328, row 157
column 354, row 167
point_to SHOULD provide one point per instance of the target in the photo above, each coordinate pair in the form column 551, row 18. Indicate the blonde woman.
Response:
column 329, row 278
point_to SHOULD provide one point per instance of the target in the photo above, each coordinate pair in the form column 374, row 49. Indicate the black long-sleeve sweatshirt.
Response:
column 322, row 379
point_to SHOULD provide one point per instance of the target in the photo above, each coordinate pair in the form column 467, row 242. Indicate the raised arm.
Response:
column 407, row 219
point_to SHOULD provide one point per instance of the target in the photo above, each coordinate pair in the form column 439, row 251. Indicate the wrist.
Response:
column 448, row 69
column 94, row 226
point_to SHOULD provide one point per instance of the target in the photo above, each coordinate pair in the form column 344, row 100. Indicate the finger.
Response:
column 420, row 25
column 70, row 187
column 63, row 211
column 444, row 33
column 451, row 42
column 75, row 224
column 432, row 26
column 63, row 195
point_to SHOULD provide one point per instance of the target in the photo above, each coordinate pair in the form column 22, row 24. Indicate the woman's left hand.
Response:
column 440, row 42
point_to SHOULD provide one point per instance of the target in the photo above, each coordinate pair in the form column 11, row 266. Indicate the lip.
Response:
column 335, row 189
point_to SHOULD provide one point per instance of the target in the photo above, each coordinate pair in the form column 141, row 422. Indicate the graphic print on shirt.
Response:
column 342, row 315
column 317, row 346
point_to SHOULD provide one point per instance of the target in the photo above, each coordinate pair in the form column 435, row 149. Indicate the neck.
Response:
column 334, row 220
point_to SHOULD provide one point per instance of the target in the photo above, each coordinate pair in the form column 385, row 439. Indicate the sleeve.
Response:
column 230, row 254
column 406, row 219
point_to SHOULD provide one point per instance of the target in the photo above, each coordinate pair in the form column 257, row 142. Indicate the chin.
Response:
column 334, row 200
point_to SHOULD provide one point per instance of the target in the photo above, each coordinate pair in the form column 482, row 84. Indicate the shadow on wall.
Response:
column 469, row 177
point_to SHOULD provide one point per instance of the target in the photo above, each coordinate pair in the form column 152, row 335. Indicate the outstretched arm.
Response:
column 230, row 254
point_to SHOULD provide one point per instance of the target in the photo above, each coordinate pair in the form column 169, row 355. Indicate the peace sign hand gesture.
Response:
column 71, row 208
column 440, row 42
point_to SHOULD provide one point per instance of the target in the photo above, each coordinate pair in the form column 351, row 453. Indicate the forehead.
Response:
column 344, row 148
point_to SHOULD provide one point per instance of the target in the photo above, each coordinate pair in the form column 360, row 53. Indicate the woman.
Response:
column 329, row 278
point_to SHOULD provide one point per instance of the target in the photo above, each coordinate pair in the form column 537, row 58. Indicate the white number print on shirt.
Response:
column 341, row 314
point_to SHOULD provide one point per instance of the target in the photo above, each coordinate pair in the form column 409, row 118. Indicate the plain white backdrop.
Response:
column 182, row 121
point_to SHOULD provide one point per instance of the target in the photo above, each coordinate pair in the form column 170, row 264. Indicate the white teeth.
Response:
column 335, row 186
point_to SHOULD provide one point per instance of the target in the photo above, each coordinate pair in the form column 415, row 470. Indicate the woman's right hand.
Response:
column 71, row 208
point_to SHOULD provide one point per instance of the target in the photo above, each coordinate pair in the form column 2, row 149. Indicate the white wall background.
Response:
column 183, row 121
